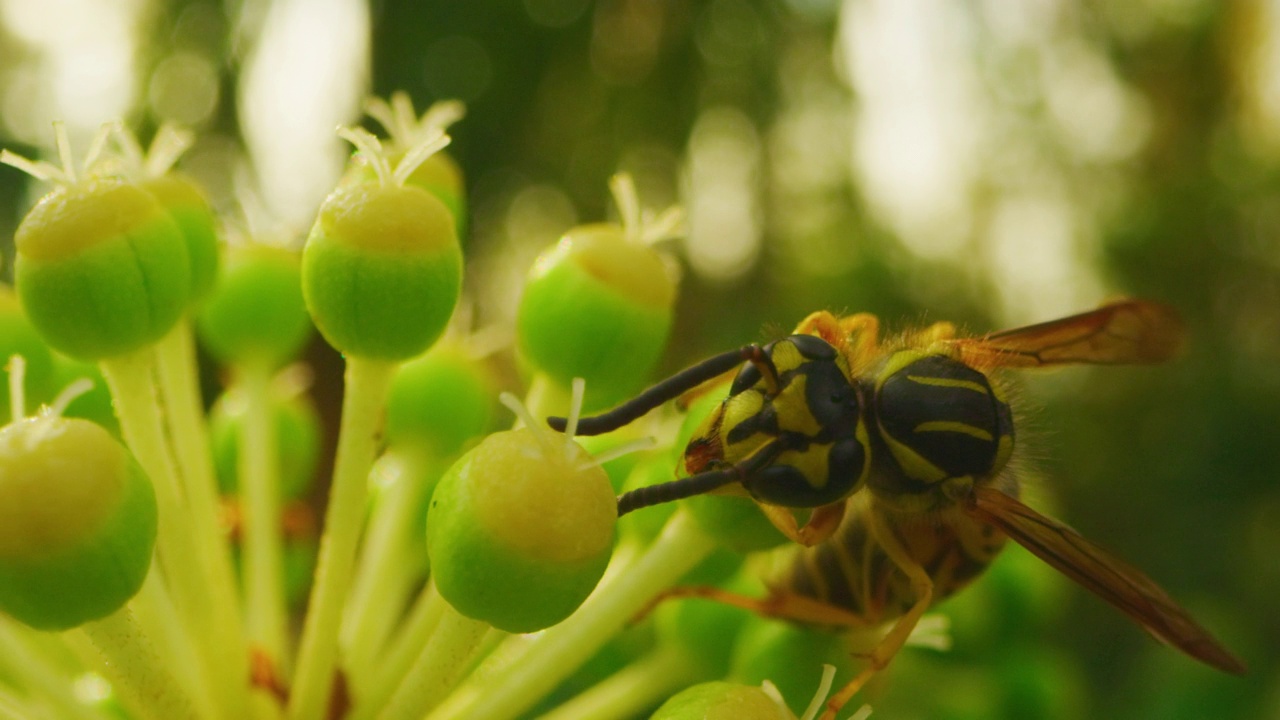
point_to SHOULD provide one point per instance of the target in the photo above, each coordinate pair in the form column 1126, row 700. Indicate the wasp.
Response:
column 900, row 448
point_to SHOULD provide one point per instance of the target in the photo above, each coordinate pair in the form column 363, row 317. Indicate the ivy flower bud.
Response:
column 101, row 268
column 439, row 402
column 519, row 530
column 382, row 268
column 77, row 522
column 721, row 701
column 297, row 437
column 598, row 304
column 255, row 314
column 185, row 202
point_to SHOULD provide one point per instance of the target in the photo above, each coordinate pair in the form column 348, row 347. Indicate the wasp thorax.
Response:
column 939, row 419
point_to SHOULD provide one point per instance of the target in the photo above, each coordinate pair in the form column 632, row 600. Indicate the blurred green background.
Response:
column 992, row 163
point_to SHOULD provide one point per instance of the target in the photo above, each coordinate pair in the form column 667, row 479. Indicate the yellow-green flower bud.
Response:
column 382, row 270
column 597, row 306
column 101, row 268
column 77, row 522
column 518, row 533
column 721, row 701
column 186, row 204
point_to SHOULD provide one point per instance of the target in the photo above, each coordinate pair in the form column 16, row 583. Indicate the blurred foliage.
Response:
column 1175, row 467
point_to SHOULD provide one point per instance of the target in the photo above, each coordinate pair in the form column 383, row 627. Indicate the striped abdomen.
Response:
column 851, row 570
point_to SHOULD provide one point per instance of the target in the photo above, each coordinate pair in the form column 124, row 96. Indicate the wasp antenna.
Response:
column 669, row 389
column 675, row 490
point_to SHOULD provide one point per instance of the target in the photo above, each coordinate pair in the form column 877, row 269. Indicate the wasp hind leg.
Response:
column 885, row 650
column 779, row 605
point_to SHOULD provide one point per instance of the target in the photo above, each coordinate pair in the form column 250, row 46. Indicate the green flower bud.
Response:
column 382, row 270
column 599, row 307
column 77, row 523
column 186, row 204
column 297, row 437
column 791, row 657
column 101, row 268
column 255, row 314
column 721, row 701
column 439, row 175
column 94, row 404
column 518, row 533
column 439, row 402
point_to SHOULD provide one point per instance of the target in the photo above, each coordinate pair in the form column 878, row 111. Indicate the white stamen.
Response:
column 820, row 697
column 441, row 115
column 167, row 146
column 540, row 433
column 96, row 147
column 64, row 151
column 418, row 155
column 863, row 713
column 40, row 170
column 637, row 445
column 933, row 631
column 17, row 393
column 776, row 696
column 371, row 148
column 127, row 145
column 667, row 226
column 578, row 390
column 69, row 395
column 624, row 195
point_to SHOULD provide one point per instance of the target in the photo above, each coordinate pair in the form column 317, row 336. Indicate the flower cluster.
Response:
column 462, row 572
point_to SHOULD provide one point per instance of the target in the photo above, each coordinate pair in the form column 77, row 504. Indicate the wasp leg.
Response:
column 892, row 642
column 822, row 522
column 779, row 604
column 857, row 336
column 936, row 332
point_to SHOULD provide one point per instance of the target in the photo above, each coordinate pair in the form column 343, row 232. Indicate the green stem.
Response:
column 189, row 436
column 153, row 609
column 28, row 668
column 266, row 615
column 390, row 559
column 629, row 692
column 438, row 667
column 184, row 561
column 414, row 633
column 134, row 669
column 563, row 648
column 366, row 387
column 546, row 397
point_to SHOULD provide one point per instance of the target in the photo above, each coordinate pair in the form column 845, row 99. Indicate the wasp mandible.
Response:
column 901, row 448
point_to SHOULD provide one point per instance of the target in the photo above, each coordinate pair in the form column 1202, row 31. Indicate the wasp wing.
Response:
column 1129, row 331
column 1115, row 581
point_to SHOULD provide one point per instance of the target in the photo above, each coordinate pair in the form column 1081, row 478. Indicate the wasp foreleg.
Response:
column 822, row 522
